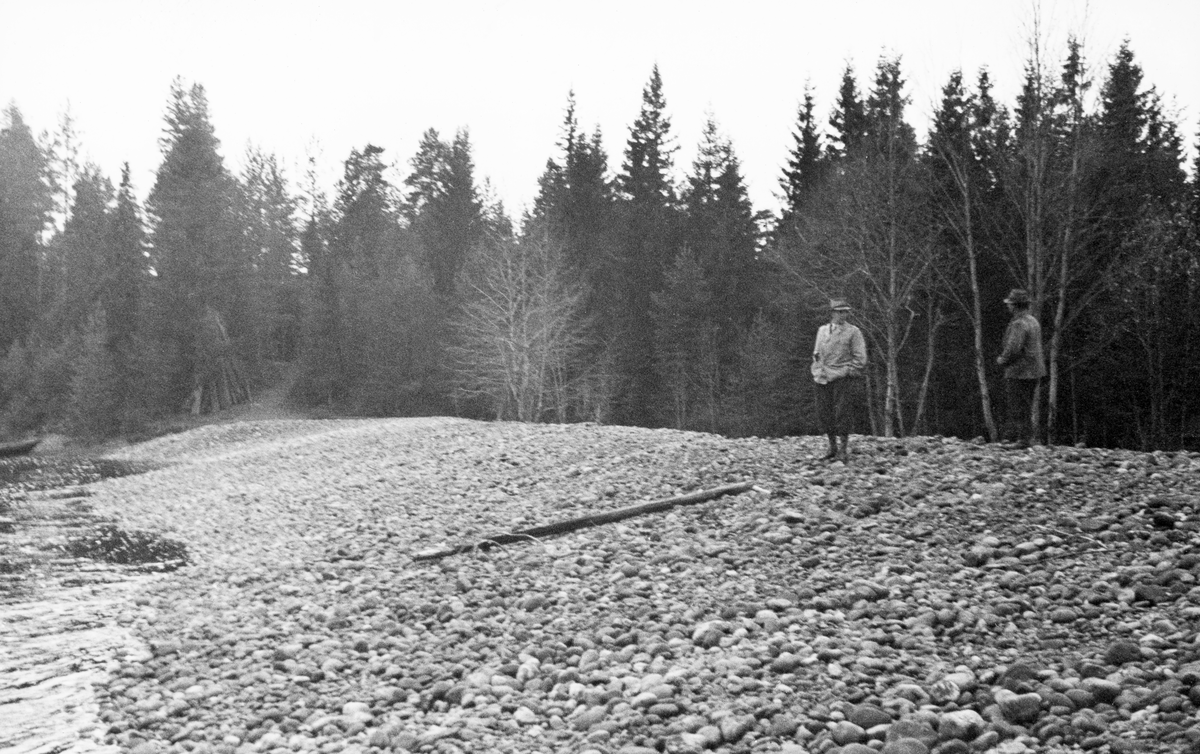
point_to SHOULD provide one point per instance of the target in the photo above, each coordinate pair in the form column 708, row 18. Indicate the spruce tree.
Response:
column 124, row 283
column 349, row 272
column 268, row 211
column 324, row 379
column 805, row 164
column 574, row 203
column 1143, row 150
column 849, row 118
column 646, row 171
column 720, row 230
column 545, row 217
column 647, row 190
column 1193, row 200
column 888, row 134
column 463, row 208
column 64, row 165
column 1030, row 182
column 365, row 220
column 648, row 216
column 76, row 268
column 548, row 213
column 1133, row 185
column 444, row 206
column 268, row 216
column 25, row 204
column 686, row 354
column 196, row 252
column 991, row 144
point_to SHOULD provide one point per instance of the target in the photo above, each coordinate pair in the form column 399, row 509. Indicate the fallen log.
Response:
column 583, row 522
column 18, row 448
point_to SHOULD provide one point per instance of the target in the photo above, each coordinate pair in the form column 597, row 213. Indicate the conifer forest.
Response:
column 634, row 290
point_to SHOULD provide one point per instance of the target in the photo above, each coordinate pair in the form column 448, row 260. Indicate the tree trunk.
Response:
column 985, row 398
column 891, row 399
column 872, row 412
column 1060, row 311
column 935, row 321
column 1064, row 269
column 595, row 519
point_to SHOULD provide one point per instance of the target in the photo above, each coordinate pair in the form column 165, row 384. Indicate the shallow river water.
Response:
column 63, row 619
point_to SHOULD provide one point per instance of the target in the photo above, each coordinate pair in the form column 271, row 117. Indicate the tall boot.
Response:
column 833, row 449
column 843, row 454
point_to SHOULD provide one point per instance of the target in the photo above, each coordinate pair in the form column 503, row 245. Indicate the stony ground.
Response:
column 933, row 595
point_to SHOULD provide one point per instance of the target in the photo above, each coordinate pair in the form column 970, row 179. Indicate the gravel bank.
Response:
column 932, row 596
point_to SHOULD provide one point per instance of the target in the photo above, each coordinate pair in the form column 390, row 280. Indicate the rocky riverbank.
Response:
column 64, row 603
column 934, row 595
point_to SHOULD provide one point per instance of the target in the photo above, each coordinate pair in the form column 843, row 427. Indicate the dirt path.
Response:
column 269, row 403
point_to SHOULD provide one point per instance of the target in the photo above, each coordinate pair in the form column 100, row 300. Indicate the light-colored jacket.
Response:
column 838, row 353
column 1022, row 355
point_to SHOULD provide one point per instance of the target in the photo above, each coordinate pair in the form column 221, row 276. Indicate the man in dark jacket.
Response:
column 1024, row 368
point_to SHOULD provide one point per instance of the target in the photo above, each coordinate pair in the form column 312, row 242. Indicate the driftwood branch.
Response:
column 583, row 522
column 18, row 448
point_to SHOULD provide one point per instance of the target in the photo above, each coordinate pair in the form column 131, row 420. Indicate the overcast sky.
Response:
column 285, row 74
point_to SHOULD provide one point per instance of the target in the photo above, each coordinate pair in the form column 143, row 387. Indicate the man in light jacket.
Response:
column 1024, row 368
column 840, row 354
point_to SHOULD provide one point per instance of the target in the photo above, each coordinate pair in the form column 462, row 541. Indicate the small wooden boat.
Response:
column 17, row 448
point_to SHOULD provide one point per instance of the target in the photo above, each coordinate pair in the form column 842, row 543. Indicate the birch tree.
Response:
column 519, row 332
column 958, row 183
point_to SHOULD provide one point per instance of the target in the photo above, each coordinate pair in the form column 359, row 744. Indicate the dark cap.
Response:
column 839, row 305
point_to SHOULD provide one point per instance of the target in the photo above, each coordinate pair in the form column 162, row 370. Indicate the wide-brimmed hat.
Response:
column 1017, row 296
column 839, row 305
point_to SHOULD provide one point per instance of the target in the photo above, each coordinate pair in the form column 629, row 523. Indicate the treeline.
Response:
column 655, row 295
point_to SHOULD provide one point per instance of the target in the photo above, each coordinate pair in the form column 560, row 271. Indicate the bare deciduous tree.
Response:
column 867, row 240
column 520, row 331
column 957, row 177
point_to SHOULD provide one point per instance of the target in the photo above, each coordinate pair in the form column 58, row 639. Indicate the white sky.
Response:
column 283, row 73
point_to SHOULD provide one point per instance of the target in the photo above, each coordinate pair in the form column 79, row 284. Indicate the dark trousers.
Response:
column 1020, row 395
column 833, row 410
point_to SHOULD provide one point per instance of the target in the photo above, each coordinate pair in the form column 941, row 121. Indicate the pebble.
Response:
column 1122, row 652
column 1018, row 708
column 735, row 727
column 525, row 716
column 590, row 717
column 944, row 691
column 905, row 746
column 1064, row 615
column 913, row 728
column 1101, row 689
column 868, row 716
column 856, row 748
column 786, row 662
column 961, row 725
column 710, row 736
column 845, row 732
